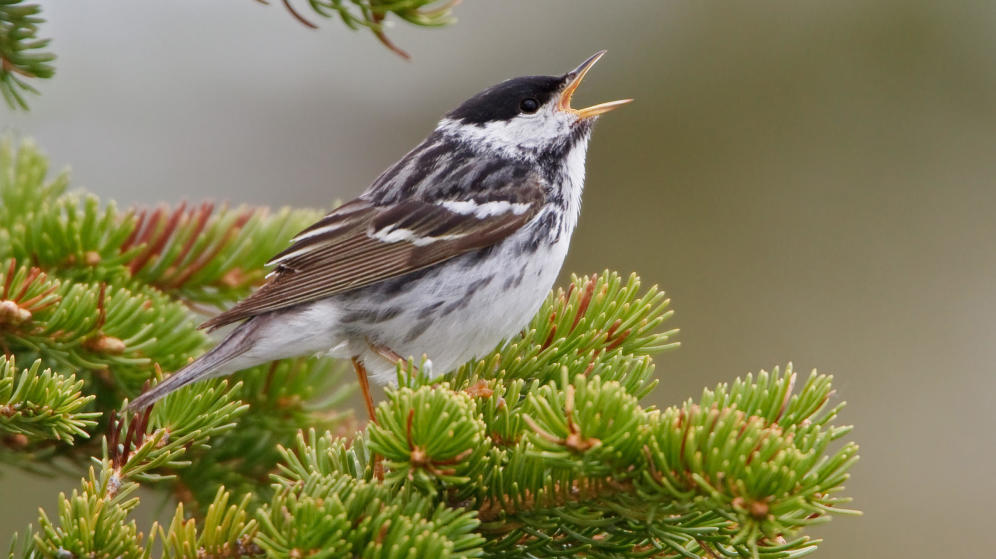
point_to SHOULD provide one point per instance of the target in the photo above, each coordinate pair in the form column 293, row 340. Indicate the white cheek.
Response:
column 511, row 137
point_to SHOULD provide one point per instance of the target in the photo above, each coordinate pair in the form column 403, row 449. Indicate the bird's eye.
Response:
column 529, row 105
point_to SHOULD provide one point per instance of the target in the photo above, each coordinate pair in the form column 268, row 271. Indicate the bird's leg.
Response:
column 361, row 374
column 396, row 358
column 386, row 353
column 392, row 356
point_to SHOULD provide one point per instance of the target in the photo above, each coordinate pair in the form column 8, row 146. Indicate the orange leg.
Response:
column 386, row 353
column 361, row 374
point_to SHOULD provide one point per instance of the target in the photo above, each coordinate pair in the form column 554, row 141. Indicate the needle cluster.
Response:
column 545, row 447
column 95, row 301
column 23, row 54
column 371, row 14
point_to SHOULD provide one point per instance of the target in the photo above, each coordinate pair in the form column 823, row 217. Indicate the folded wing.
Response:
column 360, row 243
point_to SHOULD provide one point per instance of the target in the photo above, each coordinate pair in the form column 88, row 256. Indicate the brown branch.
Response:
column 201, row 216
column 589, row 291
column 298, row 16
column 390, row 45
column 32, row 276
column 10, row 278
column 208, row 255
column 580, row 490
column 8, row 66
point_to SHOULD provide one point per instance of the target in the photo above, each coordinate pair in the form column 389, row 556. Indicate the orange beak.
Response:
column 574, row 78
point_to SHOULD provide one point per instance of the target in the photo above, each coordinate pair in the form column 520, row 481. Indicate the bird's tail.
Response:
column 219, row 361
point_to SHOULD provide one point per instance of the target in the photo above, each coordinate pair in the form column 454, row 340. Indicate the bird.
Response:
column 448, row 252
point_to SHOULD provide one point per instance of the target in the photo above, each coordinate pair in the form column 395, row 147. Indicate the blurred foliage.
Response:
column 24, row 56
column 371, row 14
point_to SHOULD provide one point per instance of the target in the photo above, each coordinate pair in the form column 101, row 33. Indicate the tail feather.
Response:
column 216, row 362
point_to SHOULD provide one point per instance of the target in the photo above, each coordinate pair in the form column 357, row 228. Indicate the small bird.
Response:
column 451, row 250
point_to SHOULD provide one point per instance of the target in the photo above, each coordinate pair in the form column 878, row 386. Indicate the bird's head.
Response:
column 527, row 117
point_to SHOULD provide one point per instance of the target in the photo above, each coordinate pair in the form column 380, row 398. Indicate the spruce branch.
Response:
column 205, row 254
column 443, row 440
column 42, row 405
column 575, row 465
column 24, row 56
column 589, row 426
column 201, row 255
column 541, row 448
column 22, row 53
column 283, row 396
column 72, row 236
column 228, row 531
column 98, row 273
column 108, row 295
column 115, row 334
column 702, row 478
column 740, row 473
column 372, row 14
column 599, row 324
column 94, row 520
column 24, row 181
column 339, row 516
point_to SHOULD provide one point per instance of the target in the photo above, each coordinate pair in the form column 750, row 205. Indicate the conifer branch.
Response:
column 24, row 56
column 542, row 448
column 41, row 405
column 284, row 396
column 372, row 15
column 228, row 532
column 93, row 521
column 576, row 465
column 201, row 255
column 22, row 53
column 86, row 287
column 207, row 255
column 599, row 325
column 114, row 334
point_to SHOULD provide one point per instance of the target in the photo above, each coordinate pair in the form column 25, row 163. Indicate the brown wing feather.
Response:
column 342, row 252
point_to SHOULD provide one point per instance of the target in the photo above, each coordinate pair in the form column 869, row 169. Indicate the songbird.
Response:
column 451, row 249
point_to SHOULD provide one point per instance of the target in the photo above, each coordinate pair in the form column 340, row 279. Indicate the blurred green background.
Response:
column 810, row 181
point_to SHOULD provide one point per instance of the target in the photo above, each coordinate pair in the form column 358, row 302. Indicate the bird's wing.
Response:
column 361, row 243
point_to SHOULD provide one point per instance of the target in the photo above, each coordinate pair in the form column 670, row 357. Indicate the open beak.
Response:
column 574, row 78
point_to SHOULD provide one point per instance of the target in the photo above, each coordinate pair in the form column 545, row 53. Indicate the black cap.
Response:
column 504, row 101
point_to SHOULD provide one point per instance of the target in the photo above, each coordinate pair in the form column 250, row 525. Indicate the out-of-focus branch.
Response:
column 23, row 56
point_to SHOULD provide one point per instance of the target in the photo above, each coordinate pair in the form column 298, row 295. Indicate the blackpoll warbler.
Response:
column 449, row 251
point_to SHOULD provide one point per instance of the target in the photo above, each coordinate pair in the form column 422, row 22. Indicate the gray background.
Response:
column 810, row 181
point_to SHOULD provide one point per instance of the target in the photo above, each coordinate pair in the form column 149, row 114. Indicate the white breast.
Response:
column 462, row 308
